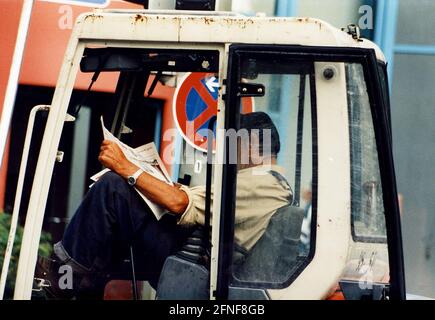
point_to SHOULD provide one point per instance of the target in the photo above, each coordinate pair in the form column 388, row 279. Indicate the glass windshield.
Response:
column 101, row 220
column 367, row 262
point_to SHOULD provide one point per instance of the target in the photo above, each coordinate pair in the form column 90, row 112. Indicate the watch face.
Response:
column 131, row 181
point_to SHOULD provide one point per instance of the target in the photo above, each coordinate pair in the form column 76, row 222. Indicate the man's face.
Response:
column 249, row 151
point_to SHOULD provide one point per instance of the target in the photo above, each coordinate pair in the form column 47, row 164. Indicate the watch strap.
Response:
column 137, row 174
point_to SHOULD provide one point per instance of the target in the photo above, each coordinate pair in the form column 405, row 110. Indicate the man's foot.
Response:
column 48, row 275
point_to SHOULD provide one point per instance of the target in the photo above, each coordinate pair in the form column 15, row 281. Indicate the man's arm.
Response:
column 159, row 192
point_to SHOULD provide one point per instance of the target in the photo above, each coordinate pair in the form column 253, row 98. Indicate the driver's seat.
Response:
column 275, row 255
column 185, row 276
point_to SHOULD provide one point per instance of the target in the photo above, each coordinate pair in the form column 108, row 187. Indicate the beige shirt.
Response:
column 257, row 199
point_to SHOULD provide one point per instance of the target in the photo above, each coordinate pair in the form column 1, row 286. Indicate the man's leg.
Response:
column 154, row 242
column 103, row 225
column 111, row 217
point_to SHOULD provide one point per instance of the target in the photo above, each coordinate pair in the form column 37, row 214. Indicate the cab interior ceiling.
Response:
column 252, row 65
column 151, row 60
column 135, row 66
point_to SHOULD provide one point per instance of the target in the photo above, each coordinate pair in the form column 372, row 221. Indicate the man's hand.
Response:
column 112, row 157
column 159, row 192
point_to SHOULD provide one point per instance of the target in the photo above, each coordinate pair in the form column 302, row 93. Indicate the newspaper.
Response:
column 145, row 157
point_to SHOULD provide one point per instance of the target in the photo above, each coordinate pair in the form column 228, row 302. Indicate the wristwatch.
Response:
column 131, row 180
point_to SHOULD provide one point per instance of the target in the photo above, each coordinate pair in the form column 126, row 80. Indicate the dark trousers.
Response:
column 111, row 218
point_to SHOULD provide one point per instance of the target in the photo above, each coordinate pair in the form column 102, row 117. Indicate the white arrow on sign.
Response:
column 212, row 83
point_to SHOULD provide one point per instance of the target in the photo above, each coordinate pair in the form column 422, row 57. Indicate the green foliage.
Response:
column 45, row 249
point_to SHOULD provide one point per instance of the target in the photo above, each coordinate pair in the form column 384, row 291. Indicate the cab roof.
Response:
column 213, row 27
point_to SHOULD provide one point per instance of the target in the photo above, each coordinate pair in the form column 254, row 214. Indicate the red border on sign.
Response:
column 188, row 128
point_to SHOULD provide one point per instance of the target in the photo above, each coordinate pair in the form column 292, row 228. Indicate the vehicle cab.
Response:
column 175, row 74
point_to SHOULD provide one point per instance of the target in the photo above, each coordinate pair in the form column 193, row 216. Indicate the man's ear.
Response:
column 243, row 151
column 255, row 152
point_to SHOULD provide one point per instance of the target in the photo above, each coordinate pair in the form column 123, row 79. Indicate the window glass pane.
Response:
column 413, row 118
column 416, row 22
column 251, row 7
column 367, row 261
column 327, row 10
column 275, row 170
column 368, row 219
column 135, row 105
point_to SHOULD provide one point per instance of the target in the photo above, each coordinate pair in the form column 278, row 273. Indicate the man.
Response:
column 113, row 217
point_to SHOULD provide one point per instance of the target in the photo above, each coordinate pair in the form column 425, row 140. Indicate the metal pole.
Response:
column 14, row 74
column 19, row 192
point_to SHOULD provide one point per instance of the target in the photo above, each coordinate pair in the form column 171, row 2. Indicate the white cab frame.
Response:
column 216, row 31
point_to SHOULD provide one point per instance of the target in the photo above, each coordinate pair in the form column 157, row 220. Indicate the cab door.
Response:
column 334, row 155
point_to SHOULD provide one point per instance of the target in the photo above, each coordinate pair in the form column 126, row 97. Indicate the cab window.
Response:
column 274, row 208
column 368, row 217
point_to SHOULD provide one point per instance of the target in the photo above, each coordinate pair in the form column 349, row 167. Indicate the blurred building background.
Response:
column 405, row 30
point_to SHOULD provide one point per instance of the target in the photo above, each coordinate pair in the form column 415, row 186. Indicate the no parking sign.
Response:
column 195, row 104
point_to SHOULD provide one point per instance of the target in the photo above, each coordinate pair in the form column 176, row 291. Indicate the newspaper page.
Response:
column 145, row 157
